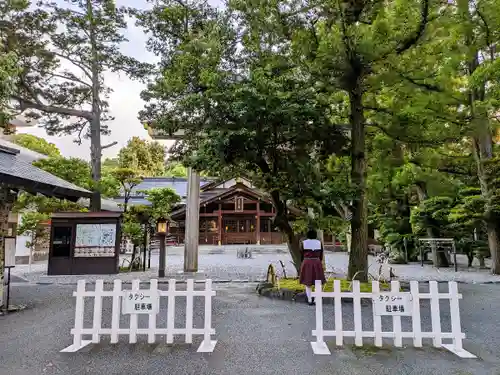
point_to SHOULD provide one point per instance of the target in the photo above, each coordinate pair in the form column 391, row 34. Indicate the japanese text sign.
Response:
column 395, row 304
column 140, row 302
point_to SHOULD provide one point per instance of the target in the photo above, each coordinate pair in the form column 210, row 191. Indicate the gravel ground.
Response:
column 221, row 264
column 256, row 335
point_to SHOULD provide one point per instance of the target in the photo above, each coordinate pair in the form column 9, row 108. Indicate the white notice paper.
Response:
column 140, row 302
column 395, row 304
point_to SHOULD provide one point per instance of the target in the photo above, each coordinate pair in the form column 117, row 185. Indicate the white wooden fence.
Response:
column 397, row 334
column 152, row 330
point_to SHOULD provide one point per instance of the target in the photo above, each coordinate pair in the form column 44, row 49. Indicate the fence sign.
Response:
column 409, row 301
column 150, row 298
column 392, row 304
column 140, row 302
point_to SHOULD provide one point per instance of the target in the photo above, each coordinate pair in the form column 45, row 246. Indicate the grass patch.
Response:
column 368, row 349
column 345, row 285
column 127, row 269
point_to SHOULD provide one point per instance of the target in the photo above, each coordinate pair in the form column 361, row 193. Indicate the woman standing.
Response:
column 311, row 268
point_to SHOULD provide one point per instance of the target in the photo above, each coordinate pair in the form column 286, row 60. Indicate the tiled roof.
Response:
column 17, row 171
column 24, row 153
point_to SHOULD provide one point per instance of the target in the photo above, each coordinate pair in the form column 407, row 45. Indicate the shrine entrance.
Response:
column 239, row 230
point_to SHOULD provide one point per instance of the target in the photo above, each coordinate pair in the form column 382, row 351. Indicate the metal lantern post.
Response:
column 161, row 231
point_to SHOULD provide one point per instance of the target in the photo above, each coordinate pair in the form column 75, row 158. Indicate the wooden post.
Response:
column 257, row 225
column 220, row 224
column 163, row 255
column 7, row 199
column 191, row 241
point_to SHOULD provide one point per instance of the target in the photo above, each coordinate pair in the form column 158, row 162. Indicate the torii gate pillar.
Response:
column 191, row 238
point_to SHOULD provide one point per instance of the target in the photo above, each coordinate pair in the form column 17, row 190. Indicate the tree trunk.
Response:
column 482, row 133
column 7, row 200
column 95, row 123
column 493, row 242
column 358, row 257
column 134, row 255
column 281, row 222
column 293, row 242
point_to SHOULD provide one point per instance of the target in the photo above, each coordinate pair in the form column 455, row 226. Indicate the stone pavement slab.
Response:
column 255, row 335
column 226, row 266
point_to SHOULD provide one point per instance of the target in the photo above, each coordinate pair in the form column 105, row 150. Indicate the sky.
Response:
column 125, row 102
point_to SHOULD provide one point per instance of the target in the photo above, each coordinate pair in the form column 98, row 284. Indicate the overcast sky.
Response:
column 125, row 102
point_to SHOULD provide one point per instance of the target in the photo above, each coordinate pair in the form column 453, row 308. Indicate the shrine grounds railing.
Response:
column 135, row 302
column 395, row 304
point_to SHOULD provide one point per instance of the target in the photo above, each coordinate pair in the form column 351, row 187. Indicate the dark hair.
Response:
column 312, row 234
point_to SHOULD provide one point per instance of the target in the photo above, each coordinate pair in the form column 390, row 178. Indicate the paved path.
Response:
column 256, row 336
column 221, row 264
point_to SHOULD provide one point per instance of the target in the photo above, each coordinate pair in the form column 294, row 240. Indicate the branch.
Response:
column 421, row 142
column 391, row 113
column 109, row 145
column 73, row 79
column 25, row 104
column 78, row 64
column 412, row 40
column 426, row 86
column 487, row 33
column 442, row 169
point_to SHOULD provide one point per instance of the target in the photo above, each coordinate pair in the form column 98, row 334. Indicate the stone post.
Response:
column 7, row 200
column 191, row 240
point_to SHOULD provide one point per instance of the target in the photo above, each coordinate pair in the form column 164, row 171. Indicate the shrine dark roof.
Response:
column 18, row 172
column 178, row 184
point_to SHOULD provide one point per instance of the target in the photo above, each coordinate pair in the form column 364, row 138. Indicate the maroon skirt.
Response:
column 310, row 271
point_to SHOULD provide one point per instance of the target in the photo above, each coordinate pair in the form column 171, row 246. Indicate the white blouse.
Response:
column 312, row 245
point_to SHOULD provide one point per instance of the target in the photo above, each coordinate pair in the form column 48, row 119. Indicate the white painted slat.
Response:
column 319, row 311
column 115, row 310
column 153, row 287
column 189, row 311
column 79, row 313
column 456, row 328
column 416, row 322
column 377, row 319
column 97, row 321
column 132, row 338
column 396, row 320
column 435, row 314
column 358, row 323
column 132, row 330
column 337, row 290
column 208, row 311
column 171, row 311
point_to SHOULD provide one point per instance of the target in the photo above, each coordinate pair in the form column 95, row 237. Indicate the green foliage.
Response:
column 78, row 172
column 162, row 201
column 127, row 179
column 175, row 169
column 31, row 226
column 36, row 144
column 258, row 114
column 44, row 36
column 146, row 158
column 74, row 170
column 45, row 205
column 37, row 209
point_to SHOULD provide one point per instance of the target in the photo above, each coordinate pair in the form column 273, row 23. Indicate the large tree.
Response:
column 147, row 158
column 64, row 53
column 247, row 110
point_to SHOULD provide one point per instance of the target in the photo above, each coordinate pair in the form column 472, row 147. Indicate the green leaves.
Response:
column 146, row 158
column 37, row 144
